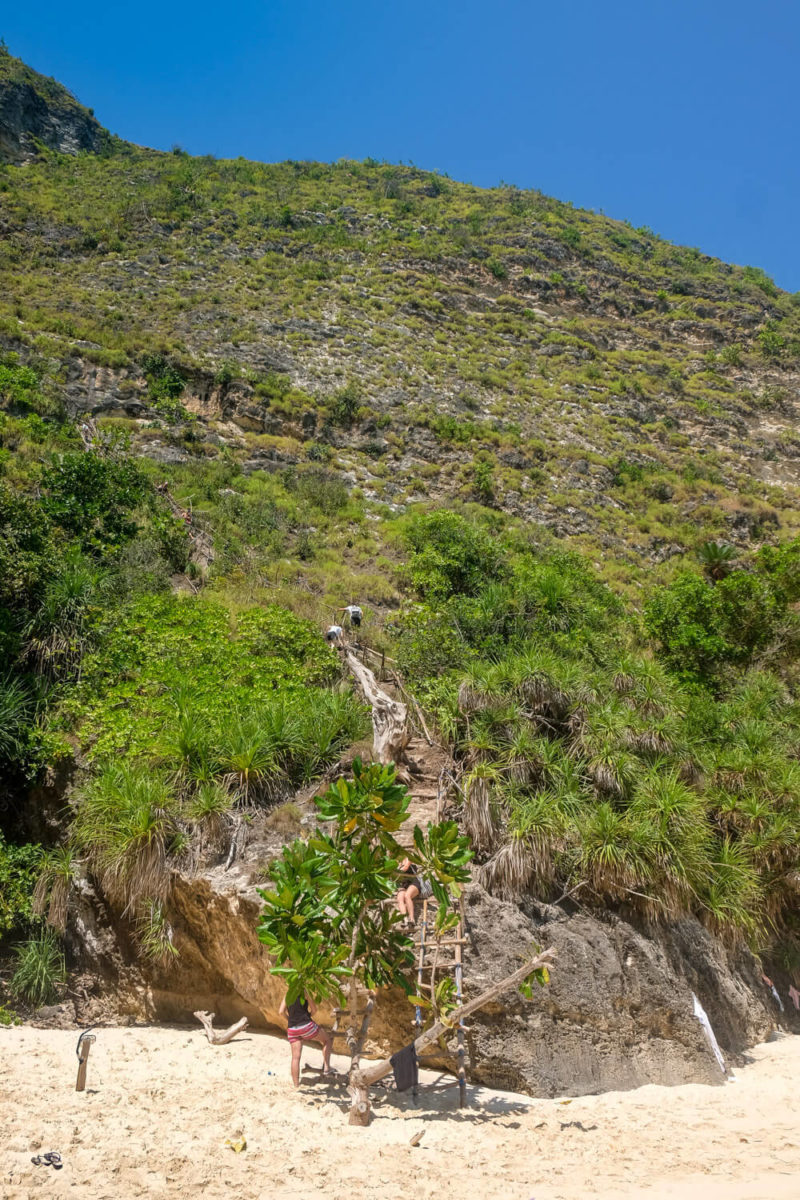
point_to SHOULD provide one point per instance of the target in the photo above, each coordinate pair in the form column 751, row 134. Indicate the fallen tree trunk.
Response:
column 389, row 735
column 220, row 1037
column 360, row 1080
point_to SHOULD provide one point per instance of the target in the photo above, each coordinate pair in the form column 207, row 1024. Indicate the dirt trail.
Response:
column 427, row 788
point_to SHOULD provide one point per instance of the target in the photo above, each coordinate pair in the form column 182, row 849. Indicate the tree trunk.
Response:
column 389, row 736
column 361, row 1080
column 359, row 1092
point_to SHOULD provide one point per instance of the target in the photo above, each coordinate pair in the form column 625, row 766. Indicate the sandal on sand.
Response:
column 51, row 1159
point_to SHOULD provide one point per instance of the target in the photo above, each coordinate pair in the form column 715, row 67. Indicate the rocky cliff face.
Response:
column 616, row 1014
column 37, row 111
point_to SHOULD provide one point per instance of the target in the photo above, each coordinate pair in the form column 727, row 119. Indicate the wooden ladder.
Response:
column 429, row 962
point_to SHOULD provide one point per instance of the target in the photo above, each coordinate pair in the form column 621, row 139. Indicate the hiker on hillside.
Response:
column 303, row 1028
column 353, row 614
column 414, row 885
column 334, row 635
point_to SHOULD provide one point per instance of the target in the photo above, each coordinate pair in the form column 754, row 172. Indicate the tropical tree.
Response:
column 328, row 920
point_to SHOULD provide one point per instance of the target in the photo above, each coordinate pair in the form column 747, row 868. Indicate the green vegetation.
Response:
column 667, row 784
column 18, row 870
column 40, row 970
column 552, row 455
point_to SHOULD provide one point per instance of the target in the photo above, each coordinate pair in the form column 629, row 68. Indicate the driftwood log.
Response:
column 360, row 1080
column 389, row 734
column 219, row 1037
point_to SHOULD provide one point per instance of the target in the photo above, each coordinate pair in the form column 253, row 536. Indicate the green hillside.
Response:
column 553, row 456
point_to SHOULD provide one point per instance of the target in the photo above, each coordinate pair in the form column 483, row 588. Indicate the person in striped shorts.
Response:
column 303, row 1028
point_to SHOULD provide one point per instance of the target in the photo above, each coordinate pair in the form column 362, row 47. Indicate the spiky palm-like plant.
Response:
column 53, row 886
column 186, row 748
column 16, row 713
column 209, row 808
column 509, row 873
column 732, row 898
column 522, row 760
column 58, row 632
column 679, row 837
column 479, row 689
column 249, row 761
column 40, row 969
column 717, row 559
column 481, row 819
column 155, row 933
column 613, row 852
column 123, row 825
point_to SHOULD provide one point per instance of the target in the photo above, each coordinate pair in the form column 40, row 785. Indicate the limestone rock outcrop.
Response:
column 617, row 1012
column 36, row 111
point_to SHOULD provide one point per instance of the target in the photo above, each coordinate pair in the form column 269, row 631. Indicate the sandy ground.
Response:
column 160, row 1104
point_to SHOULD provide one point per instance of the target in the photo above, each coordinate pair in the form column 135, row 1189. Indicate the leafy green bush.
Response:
column 95, row 498
column 345, row 405
column 452, row 556
column 18, row 869
column 699, row 626
column 164, row 380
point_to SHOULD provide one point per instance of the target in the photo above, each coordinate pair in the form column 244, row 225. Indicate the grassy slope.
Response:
column 629, row 394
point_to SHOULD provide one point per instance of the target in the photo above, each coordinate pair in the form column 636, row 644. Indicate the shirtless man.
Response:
column 303, row 1028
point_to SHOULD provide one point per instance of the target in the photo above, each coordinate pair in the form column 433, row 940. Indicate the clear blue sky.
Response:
column 677, row 114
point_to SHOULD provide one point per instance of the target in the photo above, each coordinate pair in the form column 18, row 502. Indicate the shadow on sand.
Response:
column 436, row 1100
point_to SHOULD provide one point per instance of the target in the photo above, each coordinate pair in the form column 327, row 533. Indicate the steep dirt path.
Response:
column 427, row 786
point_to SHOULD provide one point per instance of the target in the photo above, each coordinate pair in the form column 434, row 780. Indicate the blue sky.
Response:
column 674, row 114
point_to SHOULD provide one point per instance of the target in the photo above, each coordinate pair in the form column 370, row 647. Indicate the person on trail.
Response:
column 303, row 1028
column 334, row 635
column 414, row 885
column 354, row 615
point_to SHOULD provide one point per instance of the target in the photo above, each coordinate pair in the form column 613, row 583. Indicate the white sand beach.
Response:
column 160, row 1104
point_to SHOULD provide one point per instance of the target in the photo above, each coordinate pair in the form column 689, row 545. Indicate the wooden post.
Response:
column 359, row 1092
column 84, row 1046
column 423, row 930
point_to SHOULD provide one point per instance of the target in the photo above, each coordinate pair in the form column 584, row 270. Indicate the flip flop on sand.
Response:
column 51, row 1159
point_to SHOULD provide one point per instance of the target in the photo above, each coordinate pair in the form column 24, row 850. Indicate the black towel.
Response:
column 404, row 1065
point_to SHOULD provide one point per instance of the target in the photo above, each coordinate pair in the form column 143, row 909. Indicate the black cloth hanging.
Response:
column 406, row 1070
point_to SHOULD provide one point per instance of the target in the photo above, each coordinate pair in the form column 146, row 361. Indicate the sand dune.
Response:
column 160, row 1104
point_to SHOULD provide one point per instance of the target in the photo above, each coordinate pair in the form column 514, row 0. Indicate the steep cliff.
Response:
column 36, row 112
